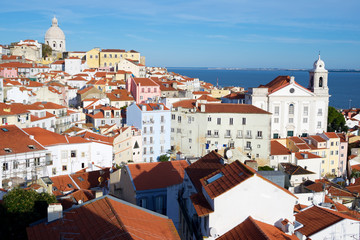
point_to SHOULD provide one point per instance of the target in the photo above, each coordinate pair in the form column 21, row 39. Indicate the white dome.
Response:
column 54, row 32
column 319, row 64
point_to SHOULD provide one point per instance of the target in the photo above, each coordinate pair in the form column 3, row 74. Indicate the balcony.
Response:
column 259, row 137
column 227, row 136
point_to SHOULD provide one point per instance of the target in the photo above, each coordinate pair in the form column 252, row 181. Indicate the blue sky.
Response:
column 199, row 33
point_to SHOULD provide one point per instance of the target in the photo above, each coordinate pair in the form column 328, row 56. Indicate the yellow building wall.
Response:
column 219, row 93
column 93, row 58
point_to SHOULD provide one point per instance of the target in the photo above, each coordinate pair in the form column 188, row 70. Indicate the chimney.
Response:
column 54, row 211
column 292, row 79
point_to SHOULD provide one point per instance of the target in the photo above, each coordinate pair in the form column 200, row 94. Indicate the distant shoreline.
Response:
column 262, row 69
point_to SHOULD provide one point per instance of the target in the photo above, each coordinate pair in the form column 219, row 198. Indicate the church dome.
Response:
column 54, row 32
column 319, row 64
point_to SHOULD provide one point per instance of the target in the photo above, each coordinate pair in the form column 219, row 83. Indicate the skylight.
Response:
column 5, row 129
column 70, row 185
column 214, row 178
column 8, row 150
column 81, row 179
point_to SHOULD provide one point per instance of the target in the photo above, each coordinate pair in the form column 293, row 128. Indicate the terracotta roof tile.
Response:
column 151, row 175
column 301, row 155
column 201, row 205
column 203, row 167
column 292, row 169
column 251, row 229
column 316, row 219
column 106, row 218
column 145, row 82
column 318, row 138
column 152, row 106
column 232, row 108
column 14, row 140
column 331, row 135
column 185, row 103
column 278, row 149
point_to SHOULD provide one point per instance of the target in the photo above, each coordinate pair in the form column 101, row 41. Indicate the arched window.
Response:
column 320, row 82
column 104, row 64
column 291, row 109
column 54, row 44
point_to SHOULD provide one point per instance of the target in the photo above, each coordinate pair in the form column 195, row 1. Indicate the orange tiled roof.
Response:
column 190, row 103
column 106, row 218
column 12, row 109
column 251, row 229
column 200, row 93
column 201, row 205
column 300, row 156
column 232, row 108
column 152, row 106
column 278, row 149
column 204, row 166
column 112, row 50
column 292, row 169
column 331, row 135
column 318, row 138
column 18, row 141
column 208, row 98
column 151, row 175
column 34, row 118
column 145, row 82
column 316, row 219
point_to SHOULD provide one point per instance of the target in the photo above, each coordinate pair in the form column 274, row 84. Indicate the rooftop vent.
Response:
column 8, row 150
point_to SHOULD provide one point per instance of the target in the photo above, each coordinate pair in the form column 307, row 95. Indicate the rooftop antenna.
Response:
column 217, row 83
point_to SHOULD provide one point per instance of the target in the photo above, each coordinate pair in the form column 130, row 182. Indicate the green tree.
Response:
column 20, row 208
column 46, row 50
column 336, row 121
column 164, row 158
column 265, row 168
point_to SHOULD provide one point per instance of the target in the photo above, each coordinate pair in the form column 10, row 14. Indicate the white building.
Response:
column 133, row 66
column 72, row 65
column 66, row 155
column 55, row 37
column 226, row 195
column 153, row 119
column 297, row 111
column 197, row 129
column 21, row 157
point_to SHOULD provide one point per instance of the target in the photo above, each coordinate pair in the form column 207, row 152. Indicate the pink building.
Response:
column 8, row 72
column 143, row 89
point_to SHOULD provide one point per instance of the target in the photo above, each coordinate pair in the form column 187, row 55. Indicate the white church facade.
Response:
column 296, row 110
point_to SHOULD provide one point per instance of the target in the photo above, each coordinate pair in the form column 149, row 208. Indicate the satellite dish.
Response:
column 229, row 154
column 10, row 184
column 352, row 180
column 100, row 179
column 80, row 202
column 213, row 232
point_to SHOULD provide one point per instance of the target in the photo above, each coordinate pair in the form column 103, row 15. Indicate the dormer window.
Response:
column 70, row 185
column 32, row 147
column 7, row 150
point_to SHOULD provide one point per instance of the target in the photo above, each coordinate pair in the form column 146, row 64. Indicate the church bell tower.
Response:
column 319, row 78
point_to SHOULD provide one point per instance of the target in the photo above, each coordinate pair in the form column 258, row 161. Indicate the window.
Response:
column 239, row 134
column 248, row 145
column 319, row 112
column 189, row 119
column 15, row 164
column 144, row 130
column 228, row 133
column 319, row 124
column 115, row 56
column 216, row 133
column 291, row 120
column 208, row 132
column 276, row 135
column 144, row 150
column 142, row 89
column 291, row 109
column 37, row 161
column 73, row 153
column 149, row 89
column 306, row 110
column 336, row 152
column 172, row 130
column 290, row 133
column 332, row 143
column 218, row 121
column 159, row 205
column 209, row 119
column 27, row 163
column 151, row 139
column 332, row 162
column 243, row 121
column 142, row 202
column 162, row 119
column 276, row 111
column 102, row 121
column 320, row 81
column 104, row 55
column 110, row 55
column 259, row 134
column 64, row 167
column 276, row 120
column 190, row 140
column 179, row 119
column 144, row 140
column 248, row 133
column 82, row 165
column 91, row 56
column 173, row 116
column 305, row 120
column 231, row 121
column 342, row 147
column 5, row 166
column 331, row 152
column 151, row 129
